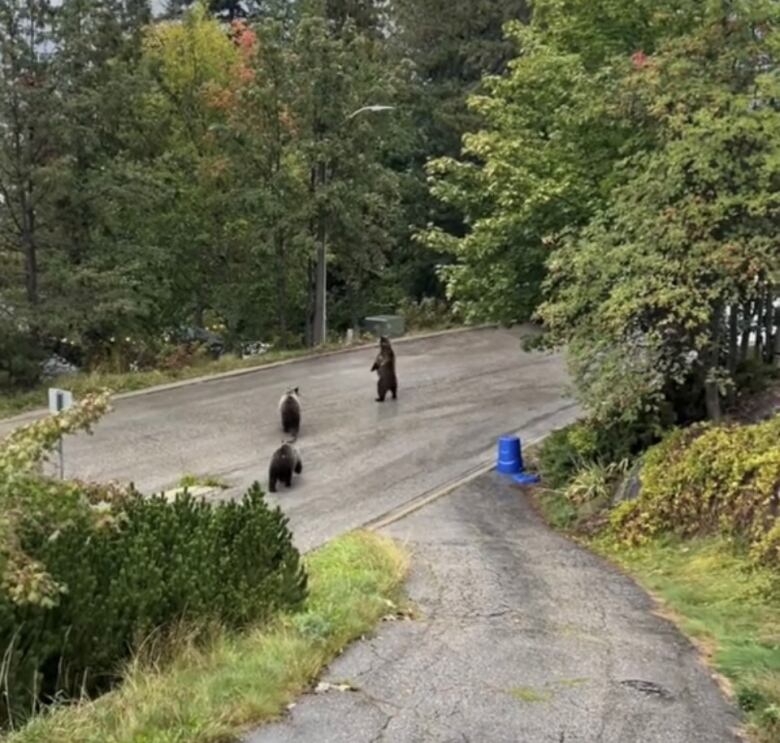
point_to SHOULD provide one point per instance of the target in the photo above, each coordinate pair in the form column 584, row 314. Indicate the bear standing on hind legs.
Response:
column 385, row 368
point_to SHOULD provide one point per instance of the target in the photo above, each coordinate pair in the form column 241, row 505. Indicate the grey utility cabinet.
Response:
column 390, row 325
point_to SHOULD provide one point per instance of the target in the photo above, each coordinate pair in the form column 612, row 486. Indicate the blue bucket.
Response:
column 510, row 458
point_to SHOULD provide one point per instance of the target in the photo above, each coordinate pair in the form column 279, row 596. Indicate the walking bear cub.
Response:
column 290, row 409
column 284, row 462
column 385, row 368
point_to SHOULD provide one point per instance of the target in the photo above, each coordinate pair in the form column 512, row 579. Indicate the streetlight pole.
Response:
column 320, row 329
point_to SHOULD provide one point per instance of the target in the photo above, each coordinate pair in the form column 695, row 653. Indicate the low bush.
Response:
column 428, row 313
column 90, row 572
column 711, row 479
column 20, row 357
column 570, row 449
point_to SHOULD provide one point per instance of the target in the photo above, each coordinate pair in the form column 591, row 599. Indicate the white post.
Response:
column 60, row 400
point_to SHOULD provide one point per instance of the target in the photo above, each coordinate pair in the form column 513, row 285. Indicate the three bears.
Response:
column 286, row 460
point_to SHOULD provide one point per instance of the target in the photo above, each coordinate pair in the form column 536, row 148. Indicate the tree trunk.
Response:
column 769, row 323
column 308, row 332
column 30, row 267
column 777, row 338
column 733, row 358
column 281, row 288
column 711, row 389
column 747, row 317
column 759, row 315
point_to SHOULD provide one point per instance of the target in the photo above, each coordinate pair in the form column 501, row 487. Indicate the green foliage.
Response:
column 710, row 479
column 428, row 313
column 623, row 185
column 216, row 691
column 560, row 456
column 595, row 483
column 142, row 565
column 20, row 357
column 608, row 447
column 161, row 172
column 89, row 572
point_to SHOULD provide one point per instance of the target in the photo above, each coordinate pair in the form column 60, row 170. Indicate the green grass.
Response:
column 216, row 692
column 82, row 384
column 729, row 607
column 14, row 402
column 557, row 509
column 209, row 481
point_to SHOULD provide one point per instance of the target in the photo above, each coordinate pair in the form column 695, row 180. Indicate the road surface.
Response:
column 522, row 637
column 457, row 392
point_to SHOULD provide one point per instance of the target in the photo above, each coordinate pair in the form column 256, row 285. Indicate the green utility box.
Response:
column 391, row 326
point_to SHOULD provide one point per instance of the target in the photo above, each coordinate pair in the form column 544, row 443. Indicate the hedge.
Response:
column 711, row 479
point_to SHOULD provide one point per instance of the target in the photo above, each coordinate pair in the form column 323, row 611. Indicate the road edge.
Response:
column 420, row 501
column 31, row 415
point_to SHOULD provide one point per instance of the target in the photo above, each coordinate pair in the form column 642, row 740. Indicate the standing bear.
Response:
column 385, row 368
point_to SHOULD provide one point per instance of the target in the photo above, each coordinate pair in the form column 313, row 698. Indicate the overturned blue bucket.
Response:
column 510, row 456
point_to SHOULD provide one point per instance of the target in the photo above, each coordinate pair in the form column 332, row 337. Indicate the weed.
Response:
column 207, row 481
column 530, row 695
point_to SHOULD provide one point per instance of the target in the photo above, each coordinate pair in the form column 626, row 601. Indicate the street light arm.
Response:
column 372, row 109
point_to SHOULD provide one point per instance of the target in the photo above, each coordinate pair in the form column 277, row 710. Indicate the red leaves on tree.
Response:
column 640, row 60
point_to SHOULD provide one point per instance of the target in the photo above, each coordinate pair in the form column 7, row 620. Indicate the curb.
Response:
column 415, row 504
column 38, row 412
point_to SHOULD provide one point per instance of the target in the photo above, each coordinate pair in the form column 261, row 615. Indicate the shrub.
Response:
column 595, row 482
column 89, row 572
column 429, row 312
column 20, row 357
column 707, row 479
column 574, row 447
column 146, row 565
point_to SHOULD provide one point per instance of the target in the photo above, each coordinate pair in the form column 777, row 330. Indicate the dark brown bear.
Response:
column 290, row 409
column 284, row 462
column 385, row 368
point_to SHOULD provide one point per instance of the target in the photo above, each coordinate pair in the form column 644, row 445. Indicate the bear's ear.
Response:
column 297, row 392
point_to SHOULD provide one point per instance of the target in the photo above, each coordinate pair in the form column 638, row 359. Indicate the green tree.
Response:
column 652, row 294
column 28, row 112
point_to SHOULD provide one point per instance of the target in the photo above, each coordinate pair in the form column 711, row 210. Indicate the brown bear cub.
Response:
column 284, row 462
column 385, row 368
column 290, row 409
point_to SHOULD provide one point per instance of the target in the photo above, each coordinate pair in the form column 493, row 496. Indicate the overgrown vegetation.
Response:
column 710, row 479
column 90, row 572
column 218, row 165
column 214, row 692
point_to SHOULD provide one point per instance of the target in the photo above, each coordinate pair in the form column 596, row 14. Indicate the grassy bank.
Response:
column 82, row 384
column 213, row 693
column 730, row 607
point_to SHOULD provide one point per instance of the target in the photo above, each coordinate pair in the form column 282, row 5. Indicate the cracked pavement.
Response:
column 522, row 637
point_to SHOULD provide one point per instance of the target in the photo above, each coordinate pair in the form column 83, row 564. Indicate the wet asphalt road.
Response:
column 457, row 392
column 523, row 637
